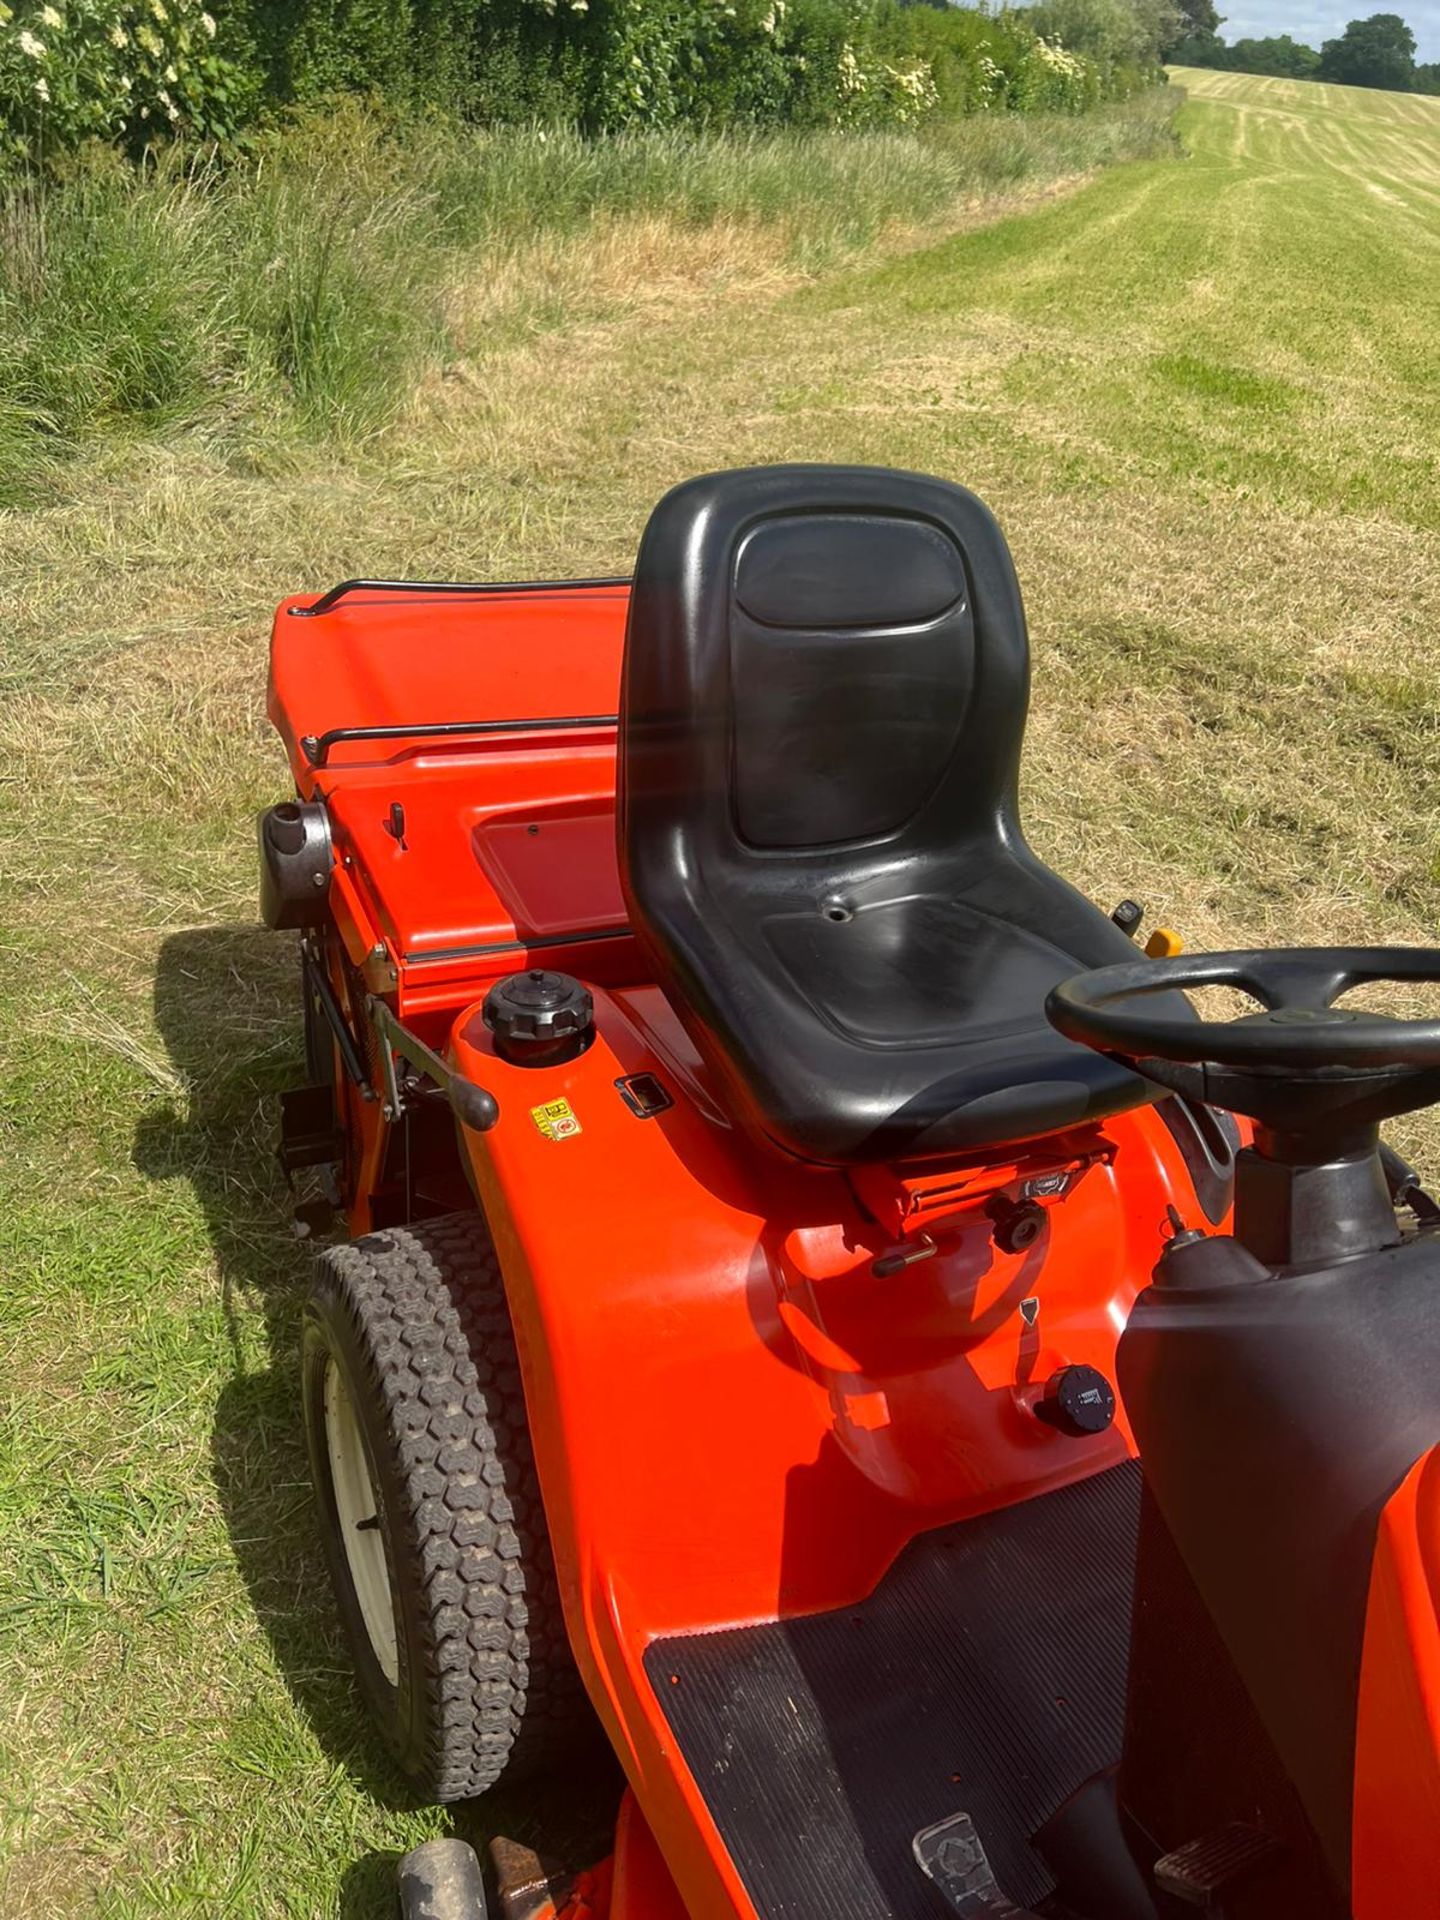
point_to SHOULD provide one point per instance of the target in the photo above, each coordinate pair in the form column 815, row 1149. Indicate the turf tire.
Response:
column 415, row 1321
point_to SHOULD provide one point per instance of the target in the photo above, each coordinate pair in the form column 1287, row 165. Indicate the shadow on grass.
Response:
column 228, row 1008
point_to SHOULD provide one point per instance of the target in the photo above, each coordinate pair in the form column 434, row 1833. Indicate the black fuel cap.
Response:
column 539, row 1017
column 1079, row 1401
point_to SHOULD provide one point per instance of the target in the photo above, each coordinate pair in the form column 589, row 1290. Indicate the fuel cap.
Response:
column 539, row 1018
column 1079, row 1401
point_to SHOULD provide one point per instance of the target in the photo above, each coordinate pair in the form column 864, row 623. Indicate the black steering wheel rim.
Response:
column 1299, row 1030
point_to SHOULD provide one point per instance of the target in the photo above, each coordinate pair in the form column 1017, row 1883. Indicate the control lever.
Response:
column 1405, row 1188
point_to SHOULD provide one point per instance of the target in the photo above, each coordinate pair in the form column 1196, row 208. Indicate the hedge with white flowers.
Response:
column 126, row 71
column 137, row 72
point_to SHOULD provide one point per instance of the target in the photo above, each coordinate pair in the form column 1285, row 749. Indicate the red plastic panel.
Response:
column 503, row 845
column 385, row 659
column 734, row 1418
column 640, row 1885
column 1397, row 1747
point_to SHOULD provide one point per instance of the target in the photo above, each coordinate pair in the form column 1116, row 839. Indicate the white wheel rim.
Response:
column 357, row 1509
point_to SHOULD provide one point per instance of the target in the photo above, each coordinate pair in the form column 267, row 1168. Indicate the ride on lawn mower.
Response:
column 818, row 1299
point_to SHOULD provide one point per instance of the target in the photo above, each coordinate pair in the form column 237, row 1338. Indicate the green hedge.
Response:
column 134, row 72
column 603, row 64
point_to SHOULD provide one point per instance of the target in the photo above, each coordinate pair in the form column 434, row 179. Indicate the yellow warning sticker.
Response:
column 556, row 1119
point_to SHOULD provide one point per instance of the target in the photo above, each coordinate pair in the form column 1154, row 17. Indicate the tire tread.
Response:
column 497, row 1690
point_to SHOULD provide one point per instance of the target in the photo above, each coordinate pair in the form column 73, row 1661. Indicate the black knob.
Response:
column 1127, row 916
column 1018, row 1224
column 539, row 1018
column 1079, row 1401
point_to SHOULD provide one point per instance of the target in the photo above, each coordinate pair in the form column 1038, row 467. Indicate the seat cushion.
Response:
column 915, row 972
column 914, row 1027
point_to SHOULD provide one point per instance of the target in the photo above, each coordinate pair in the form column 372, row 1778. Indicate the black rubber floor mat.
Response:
column 985, row 1675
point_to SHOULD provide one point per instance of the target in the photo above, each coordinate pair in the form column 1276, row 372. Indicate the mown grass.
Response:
column 305, row 292
column 1201, row 395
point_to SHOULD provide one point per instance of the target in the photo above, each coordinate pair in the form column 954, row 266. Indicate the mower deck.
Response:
column 964, row 1683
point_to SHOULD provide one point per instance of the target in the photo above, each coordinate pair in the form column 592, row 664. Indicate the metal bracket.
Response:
column 474, row 1106
column 530, row 1885
column 379, row 971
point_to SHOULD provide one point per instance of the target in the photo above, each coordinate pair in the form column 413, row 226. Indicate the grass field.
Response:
column 262, row 308
column 1202, row 395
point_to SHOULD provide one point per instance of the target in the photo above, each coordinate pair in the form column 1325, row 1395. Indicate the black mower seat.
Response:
column 823, row 701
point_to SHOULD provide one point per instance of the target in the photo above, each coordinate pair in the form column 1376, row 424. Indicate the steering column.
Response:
column 1280, row 1385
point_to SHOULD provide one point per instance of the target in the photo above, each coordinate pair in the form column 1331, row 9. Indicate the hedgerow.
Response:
column 131, row 72
column 137, row 72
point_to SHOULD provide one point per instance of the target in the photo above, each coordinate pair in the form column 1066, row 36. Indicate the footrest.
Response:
column 986, row 1672
column 1203, row 1871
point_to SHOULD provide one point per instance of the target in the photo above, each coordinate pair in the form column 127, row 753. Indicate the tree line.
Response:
column 1375, row 52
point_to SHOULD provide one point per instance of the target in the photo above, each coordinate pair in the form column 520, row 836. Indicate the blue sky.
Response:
column 1314, row 21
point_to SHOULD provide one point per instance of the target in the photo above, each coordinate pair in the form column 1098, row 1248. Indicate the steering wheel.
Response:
column 1301, row 1064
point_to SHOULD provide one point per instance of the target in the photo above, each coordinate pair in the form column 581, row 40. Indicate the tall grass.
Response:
column 307, row 291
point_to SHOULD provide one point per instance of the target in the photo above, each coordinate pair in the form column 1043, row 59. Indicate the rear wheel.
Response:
column 430, row 1510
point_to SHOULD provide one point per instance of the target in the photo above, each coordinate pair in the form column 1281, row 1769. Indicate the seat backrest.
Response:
column 826, row 673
